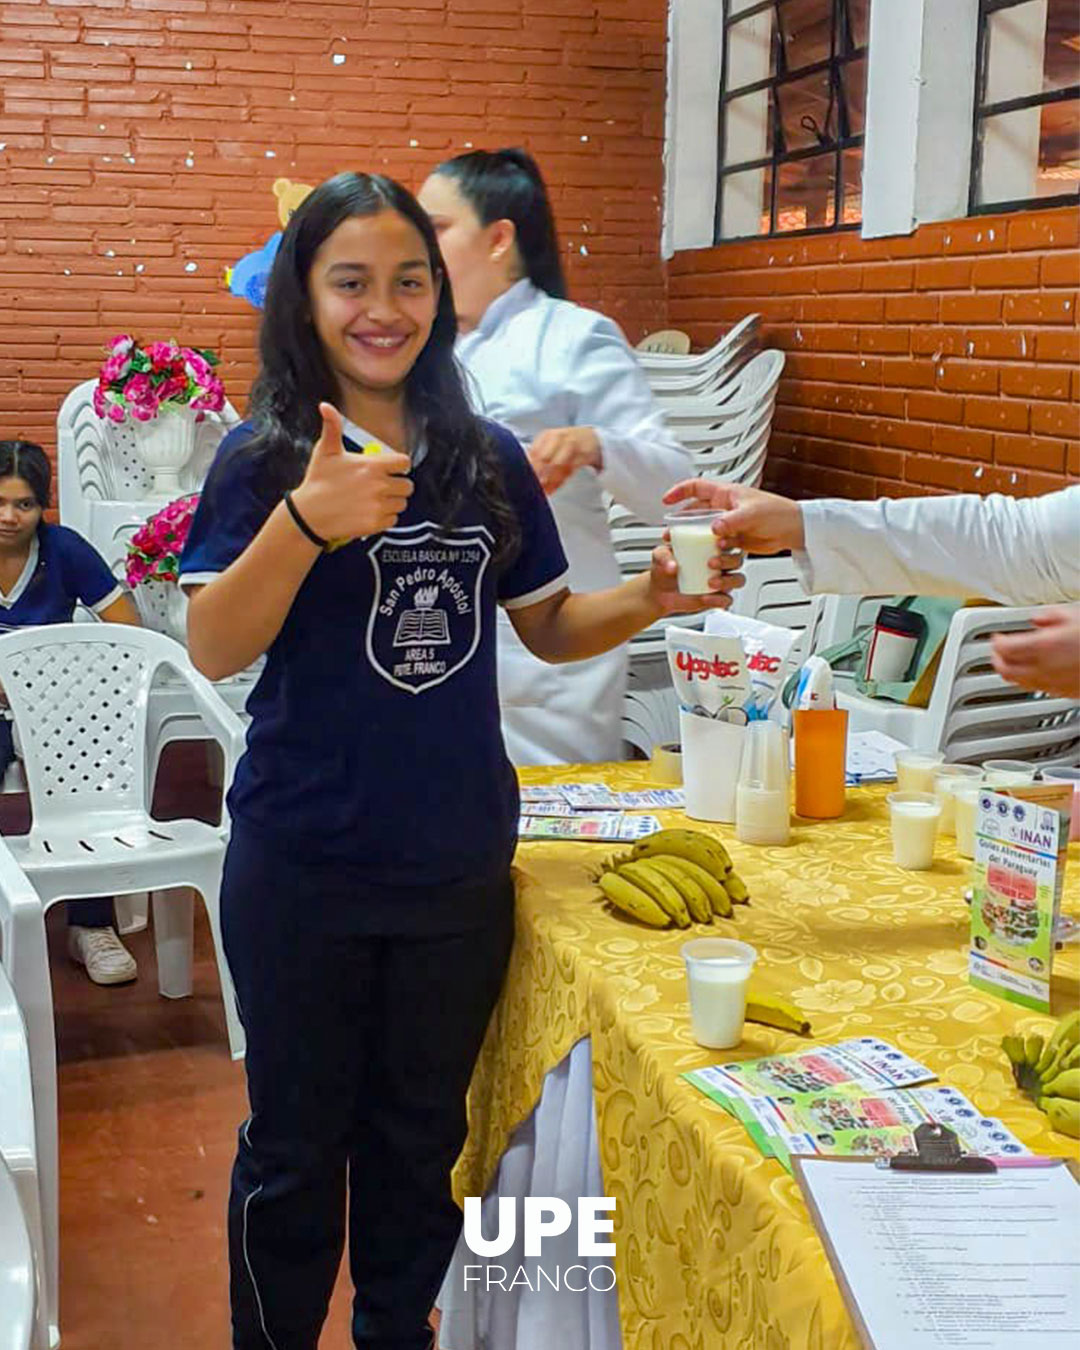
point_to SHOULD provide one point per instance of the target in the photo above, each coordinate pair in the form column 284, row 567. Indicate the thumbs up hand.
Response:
column 346, row 496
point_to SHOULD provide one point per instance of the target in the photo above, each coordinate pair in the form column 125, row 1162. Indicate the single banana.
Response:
column 1072, row 1058
column 1055, row 1066
column 692, row 888
column 1033, row 1046
column 653, row 882
column 632, row 900
column 775, row 1012
column 1067, row 1031
column 1063, row 1114
column 1049, row 1054
column 1014, row 1048
column 1066, row 1084
column 736, row 888
column 699, row 847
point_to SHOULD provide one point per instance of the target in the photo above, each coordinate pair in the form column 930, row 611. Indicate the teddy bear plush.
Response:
column 249, row 277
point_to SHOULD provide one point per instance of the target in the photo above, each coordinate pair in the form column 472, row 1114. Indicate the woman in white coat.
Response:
column 565, row 381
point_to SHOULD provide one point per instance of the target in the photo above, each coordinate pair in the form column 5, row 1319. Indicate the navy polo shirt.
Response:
column 62, row 570
column 375, row 738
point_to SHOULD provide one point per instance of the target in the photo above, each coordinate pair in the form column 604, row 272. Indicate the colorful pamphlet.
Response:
column 1021, row 838
column 601, row 826
column 855, row 1099
column 557, row 801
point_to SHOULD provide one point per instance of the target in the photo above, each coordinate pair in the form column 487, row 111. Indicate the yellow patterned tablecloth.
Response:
column 715, row 1250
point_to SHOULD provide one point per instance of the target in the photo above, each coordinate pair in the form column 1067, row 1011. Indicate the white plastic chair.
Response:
column 79, row 693
column 973, row 713
column 753, row 387
column 668, row 341
column 651, row 707
column 22, row 1250
column 18, row 1329
column 665, row 365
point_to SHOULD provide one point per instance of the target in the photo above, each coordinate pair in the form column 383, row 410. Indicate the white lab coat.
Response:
column 534, row 363
column 1014, row 550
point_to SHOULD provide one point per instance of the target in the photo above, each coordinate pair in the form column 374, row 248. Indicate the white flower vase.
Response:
column 165, row 445
column 176, row 603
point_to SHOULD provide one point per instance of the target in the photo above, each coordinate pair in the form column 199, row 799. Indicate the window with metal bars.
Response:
column 792, row 108
column 1026, row 138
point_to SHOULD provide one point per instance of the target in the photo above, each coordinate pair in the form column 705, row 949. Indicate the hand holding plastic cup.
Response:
column 693, row 544
column 913, row 818
column 717, row 974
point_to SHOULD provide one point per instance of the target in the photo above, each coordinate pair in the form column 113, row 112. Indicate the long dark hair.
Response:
column 27, row 460
column 508, row 185
column 294, row 375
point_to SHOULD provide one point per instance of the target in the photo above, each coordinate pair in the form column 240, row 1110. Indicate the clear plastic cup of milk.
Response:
column 966, row 815
column 717, row 974
column 693, row 543
column 947, row 779
column 1007, row 772
column 915, row 770
column 913, row 817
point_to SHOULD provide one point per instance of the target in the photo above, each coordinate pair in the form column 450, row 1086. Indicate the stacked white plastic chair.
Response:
column 30, row 1070
column 79, row 693
column 23, row 1315
column 973, row 713
column 105, row 492
column 673, row 375
column 666, row 342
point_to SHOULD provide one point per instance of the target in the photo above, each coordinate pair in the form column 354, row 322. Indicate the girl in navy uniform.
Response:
column 45, row 571
column 367, row 902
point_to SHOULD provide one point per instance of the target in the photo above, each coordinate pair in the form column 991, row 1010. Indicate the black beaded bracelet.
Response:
column 301, row 523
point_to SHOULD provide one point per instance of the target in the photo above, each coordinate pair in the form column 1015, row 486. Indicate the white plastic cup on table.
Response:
column 693, row 544
column 1072, row 776
column 1007, row 772
column 913, row 819
column 717, row 975
column 966, row 815
column 947, row 779
column 762, row 797
column 915, row 770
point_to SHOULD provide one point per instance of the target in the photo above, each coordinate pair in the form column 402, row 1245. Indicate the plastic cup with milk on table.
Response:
column 693, row 544
column 1066, row 775
column 913, row 820
column 1007, row 772
column 915, row 770
column 966, row 814
column 717, row 975
column 947, row 778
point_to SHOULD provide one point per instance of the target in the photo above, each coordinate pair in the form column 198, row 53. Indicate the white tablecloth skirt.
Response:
column 554, row 1153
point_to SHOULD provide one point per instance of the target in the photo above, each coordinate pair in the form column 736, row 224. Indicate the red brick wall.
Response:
column 105, row 227
column 944, row 360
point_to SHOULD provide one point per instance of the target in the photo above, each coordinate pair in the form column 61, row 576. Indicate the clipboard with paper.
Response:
column 940, row 1250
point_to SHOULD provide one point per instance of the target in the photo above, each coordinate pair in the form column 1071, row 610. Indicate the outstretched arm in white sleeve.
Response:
column 618, row 428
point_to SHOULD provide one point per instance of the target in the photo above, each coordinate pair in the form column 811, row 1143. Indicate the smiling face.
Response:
column 373, row 300
column 20, row 514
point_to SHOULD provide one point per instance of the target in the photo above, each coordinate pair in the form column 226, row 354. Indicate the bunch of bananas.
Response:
column 1048, row 1070
column 674, row 876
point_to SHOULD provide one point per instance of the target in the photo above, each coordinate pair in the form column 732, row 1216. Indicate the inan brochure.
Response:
column 854, row 1099
column 1020, row 849
column 601, row 827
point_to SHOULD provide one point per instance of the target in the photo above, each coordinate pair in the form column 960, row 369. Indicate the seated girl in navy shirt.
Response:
column 367, row 900
column 45, row 570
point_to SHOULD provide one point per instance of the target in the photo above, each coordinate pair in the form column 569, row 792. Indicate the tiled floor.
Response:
column 149, row 1105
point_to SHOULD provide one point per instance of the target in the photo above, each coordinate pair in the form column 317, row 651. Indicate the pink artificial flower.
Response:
column 99, row 402
column 136, row 571
column 162, row 354
column 139, row 389
column 212, row 398
column 121, row 344
column 115, row 412
column 115, row 368
column 198, row 367
column 175, row 387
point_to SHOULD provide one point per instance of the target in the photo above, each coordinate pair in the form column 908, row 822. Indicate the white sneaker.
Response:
column 105, row 957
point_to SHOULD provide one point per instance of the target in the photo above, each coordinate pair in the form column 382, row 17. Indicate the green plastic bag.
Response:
column 851, row 657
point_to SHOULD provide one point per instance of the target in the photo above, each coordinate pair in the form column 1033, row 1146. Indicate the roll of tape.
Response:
column 667, row 764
